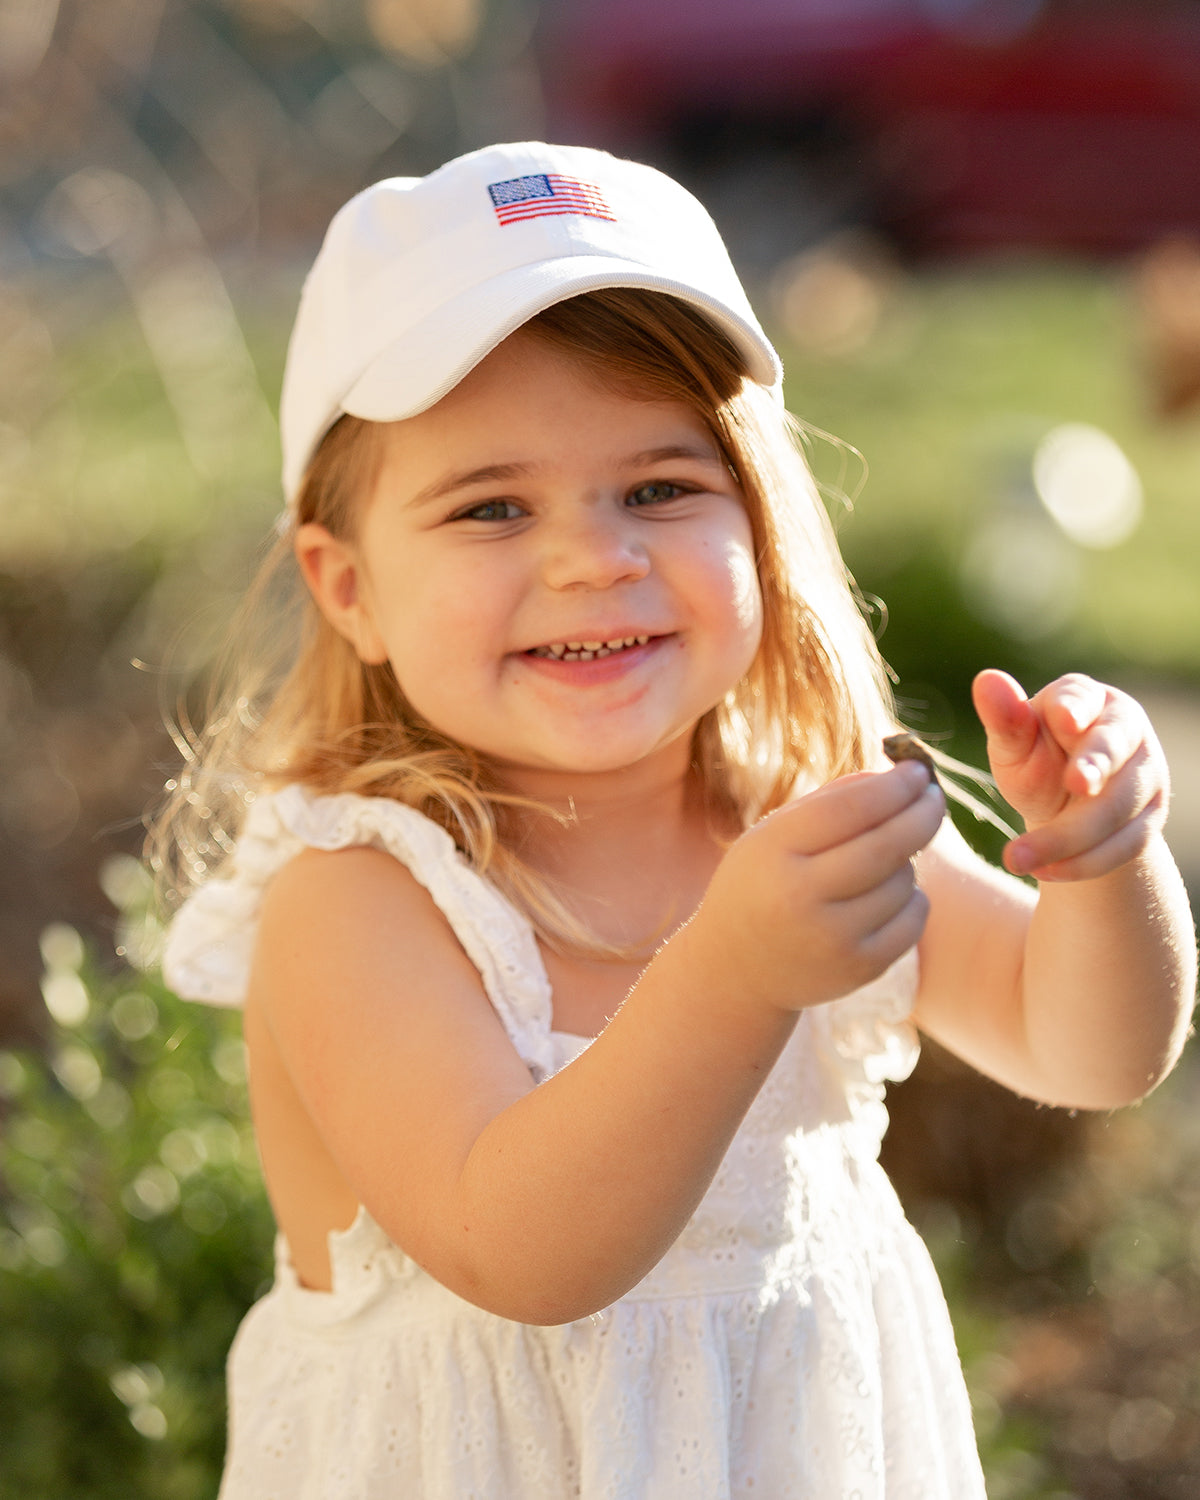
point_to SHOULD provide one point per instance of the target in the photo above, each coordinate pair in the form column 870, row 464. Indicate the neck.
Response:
column 662, row 793
column 631, row 851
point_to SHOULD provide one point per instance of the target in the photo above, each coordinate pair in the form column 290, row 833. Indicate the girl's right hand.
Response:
column 820, row 897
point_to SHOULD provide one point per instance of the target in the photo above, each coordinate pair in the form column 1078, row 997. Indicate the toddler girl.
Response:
column 577, row 916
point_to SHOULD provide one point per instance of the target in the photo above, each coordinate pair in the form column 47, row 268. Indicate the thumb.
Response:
column 1006, row 715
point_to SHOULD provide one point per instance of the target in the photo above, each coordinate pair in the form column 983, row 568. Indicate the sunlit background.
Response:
column 973, row 226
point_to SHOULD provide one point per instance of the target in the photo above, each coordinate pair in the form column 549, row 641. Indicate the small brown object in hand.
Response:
column 898, row 747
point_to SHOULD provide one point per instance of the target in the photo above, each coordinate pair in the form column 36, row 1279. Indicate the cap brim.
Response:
column 414, row 373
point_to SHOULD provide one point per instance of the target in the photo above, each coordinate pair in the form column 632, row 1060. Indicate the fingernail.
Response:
column 1019, row 859
column 1092, row 775
column 917, row 772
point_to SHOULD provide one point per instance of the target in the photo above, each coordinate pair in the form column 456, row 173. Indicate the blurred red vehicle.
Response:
column 953, row 124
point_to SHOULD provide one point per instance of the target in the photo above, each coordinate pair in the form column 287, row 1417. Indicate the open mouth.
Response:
column 587, row 650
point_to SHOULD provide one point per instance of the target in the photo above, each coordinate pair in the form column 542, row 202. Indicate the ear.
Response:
column 333, row 572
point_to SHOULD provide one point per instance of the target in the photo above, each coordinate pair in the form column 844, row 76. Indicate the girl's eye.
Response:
column 655, row 493
column 491, row 510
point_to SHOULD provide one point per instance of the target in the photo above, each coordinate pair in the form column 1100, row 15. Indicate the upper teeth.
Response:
column 587, row 650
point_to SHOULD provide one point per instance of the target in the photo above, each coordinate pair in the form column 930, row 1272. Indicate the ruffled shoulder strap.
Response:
column 871, row 1028
column 867, row 1039
column 210, row 943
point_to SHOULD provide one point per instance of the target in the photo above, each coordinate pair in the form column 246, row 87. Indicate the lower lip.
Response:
column 599, row 670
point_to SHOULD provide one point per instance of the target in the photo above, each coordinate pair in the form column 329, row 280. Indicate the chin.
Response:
column 578, row 761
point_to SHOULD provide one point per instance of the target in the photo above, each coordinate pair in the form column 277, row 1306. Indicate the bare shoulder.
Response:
column 322, row 896
column 353, row 951
column 381, row 1027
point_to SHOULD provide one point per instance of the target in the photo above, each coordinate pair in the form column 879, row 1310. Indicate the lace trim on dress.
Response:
column 871, row 1034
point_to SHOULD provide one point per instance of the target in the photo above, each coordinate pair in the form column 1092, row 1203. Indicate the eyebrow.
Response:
column 466, row 479
column 694, row 452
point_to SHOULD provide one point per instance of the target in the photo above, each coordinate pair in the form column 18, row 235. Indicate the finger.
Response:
column 1110, row 742
column 845, row 809
column 856, row 918
column 1100, row 859
column 889, row 942
column 1070, row 705
column 863, row 864
column 1007, row 716
column 1088, row 822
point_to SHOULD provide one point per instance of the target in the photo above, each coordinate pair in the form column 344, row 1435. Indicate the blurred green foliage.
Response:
column 1079, row 1321
column 133, row 1235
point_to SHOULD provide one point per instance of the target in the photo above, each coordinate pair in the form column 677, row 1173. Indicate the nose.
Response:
column 595, row 548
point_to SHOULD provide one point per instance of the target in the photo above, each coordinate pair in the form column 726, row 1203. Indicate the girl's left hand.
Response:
column 1081, row 764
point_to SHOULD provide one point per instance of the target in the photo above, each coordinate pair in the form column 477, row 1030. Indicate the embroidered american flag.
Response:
column 545, row 193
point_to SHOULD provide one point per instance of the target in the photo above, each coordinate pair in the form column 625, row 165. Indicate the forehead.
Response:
column 529, row 393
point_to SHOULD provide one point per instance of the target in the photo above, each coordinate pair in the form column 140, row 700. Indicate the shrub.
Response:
column 133, row 1235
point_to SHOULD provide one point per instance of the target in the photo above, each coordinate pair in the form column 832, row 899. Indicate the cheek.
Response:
column 443, row 632
column 746, row 594
column 741, row 605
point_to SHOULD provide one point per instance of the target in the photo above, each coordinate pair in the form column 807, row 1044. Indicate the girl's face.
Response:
column 561, row 577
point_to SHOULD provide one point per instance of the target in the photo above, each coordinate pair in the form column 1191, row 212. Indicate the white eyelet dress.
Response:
column 793, row 1342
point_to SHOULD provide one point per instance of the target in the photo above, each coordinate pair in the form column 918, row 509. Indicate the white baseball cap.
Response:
column 420, row 277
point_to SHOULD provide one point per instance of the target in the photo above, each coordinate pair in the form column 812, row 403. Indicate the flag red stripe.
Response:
column 515, row 216
column 552, row 205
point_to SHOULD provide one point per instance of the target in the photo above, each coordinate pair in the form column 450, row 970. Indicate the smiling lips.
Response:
column 586, row 650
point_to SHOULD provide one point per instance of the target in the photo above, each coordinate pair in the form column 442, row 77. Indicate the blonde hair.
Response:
column 294, row 703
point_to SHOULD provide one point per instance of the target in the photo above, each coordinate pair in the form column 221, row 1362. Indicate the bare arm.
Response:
column 547, row 1203
column 1081, row 994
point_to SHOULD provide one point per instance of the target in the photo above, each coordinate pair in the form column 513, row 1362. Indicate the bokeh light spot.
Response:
column 1088, row 485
